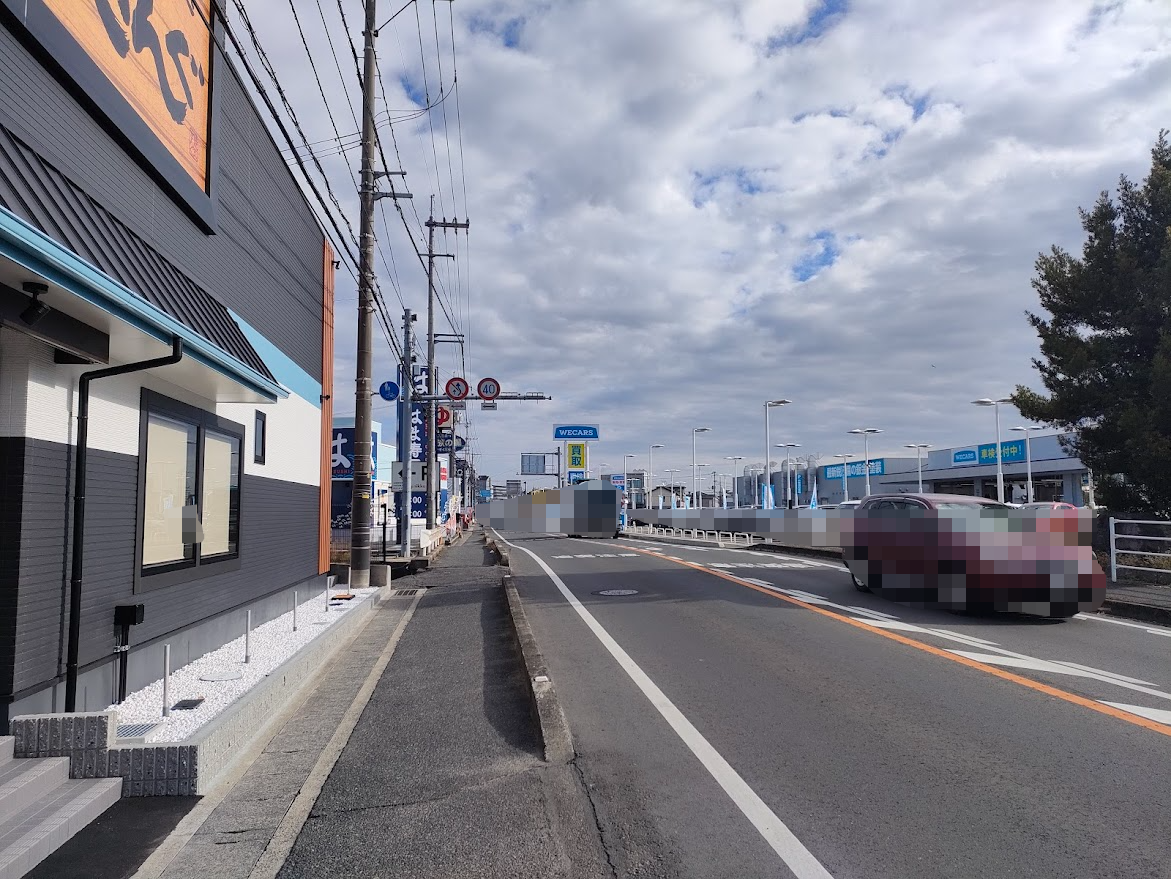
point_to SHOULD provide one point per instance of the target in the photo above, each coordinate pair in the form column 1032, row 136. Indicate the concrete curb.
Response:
column 1131, row 610
column 543, row 701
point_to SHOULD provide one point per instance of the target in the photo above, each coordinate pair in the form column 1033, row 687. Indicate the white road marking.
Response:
column 1060, row 668
column 583, row 556
column 1166, row 633
column 774, row 831
column 562, row 556
column 1159, row 715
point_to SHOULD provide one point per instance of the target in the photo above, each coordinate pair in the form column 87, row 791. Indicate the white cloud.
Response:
column 644, row 178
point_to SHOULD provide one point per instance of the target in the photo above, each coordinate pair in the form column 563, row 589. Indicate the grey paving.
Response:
column 231, row 840
column 443, row 776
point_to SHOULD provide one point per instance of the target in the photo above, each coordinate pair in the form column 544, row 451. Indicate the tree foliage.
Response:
column 1106, row 342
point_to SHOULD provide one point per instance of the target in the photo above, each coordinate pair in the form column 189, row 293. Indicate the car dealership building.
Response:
column 148, row 222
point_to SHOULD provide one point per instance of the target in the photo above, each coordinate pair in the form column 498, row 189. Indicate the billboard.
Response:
column 343, row 453
column 856, row 468
column 147, row 68
column 538, row 464
column 576, row 432
column 575, row 456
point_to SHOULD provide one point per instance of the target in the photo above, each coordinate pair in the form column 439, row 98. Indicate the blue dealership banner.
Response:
column 576, row 432
column 343, row 453
column 856, row 468
column 1012, row 452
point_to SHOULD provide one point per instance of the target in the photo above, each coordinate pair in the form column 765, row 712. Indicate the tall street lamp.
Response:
column 671, row 483
column 788, row 469
column 1028, row 457
column 735, row 485
column 694, row 472
column 625, row 492
column 865, row 433
column 771, row 404
column 699, row 497
column 995, row 404
column 845, row 484
column 919, row 447
column 650, row 478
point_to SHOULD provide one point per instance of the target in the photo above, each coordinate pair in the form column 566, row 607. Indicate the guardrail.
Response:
column 1115, row 552
column 735, row 538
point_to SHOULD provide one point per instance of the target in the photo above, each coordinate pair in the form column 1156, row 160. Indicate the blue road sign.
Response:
column 388, row 391
column 576, row 432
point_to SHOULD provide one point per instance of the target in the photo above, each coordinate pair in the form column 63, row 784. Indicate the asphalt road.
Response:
column 749, row 714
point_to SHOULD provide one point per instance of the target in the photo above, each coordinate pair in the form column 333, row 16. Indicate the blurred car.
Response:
column 957, row 552
column 1047, row 505
column 850, row 503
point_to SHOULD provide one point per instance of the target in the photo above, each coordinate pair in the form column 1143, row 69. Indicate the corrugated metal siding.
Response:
column 50, row 202
column 278, row 549
column 264, row 260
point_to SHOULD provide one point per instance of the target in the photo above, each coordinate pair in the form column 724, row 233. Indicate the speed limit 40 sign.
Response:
column 488, row 389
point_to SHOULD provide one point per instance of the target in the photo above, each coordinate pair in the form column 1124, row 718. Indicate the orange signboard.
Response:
column 157, row 53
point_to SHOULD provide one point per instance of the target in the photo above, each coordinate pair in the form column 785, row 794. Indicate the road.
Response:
column 751, row 714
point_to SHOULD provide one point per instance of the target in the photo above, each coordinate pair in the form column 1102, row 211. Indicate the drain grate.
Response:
column 187, row 704
column 404, row 593
column 134, row 730
column 612, row 593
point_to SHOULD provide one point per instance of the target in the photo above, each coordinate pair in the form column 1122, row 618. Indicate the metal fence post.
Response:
column 248, row 638
column 166, row 680
column 294, row 610
column 1113, row 554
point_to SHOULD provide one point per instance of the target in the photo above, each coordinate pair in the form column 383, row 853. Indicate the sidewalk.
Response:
column 1140, row 601
column 442, row 774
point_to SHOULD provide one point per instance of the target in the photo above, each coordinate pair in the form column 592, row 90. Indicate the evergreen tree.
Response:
column 1106, row 342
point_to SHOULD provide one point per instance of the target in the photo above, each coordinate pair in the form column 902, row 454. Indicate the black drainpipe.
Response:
column 79, row 504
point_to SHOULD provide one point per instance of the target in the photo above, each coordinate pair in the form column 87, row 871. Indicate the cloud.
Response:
column 682, row 208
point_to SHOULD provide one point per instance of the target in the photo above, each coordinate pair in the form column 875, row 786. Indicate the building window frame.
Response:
column 259, row 437
column 199, row 566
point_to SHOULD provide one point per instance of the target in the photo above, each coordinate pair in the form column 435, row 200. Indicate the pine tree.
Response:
column 1106, row 343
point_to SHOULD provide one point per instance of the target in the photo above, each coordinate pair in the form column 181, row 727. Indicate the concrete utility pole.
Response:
column 363, row 419
column 432, row 373
column 404, row 438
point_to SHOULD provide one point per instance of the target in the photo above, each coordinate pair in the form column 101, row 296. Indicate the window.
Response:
column 259, row 437
column 190, row 476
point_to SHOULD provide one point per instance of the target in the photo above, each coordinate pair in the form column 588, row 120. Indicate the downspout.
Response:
column 79, row 505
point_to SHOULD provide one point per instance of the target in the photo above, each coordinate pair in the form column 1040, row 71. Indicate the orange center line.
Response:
column 1065, row 695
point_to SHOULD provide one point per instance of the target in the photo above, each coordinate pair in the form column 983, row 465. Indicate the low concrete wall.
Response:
column 191, row 767
column 801, row 529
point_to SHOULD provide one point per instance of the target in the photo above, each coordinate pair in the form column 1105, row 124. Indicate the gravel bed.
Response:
column 271, row 645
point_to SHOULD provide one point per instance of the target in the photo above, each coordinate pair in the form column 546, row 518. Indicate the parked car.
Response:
column 960, row 553
column 1048, row 505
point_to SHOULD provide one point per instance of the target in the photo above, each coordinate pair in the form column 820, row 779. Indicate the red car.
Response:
column 966, row 553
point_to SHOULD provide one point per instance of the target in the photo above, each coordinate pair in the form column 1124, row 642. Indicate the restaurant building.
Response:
column 149, row 222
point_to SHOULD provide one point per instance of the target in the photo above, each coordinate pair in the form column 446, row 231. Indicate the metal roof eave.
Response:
column 31, row 248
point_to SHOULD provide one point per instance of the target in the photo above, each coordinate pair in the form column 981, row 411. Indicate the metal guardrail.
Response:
column 1115, row 552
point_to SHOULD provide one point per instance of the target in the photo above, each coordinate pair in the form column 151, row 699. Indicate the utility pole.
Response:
column 363, row 418
column 432, row 373
column 404, row 439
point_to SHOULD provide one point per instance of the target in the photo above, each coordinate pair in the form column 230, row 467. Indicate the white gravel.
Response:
column 271, row 645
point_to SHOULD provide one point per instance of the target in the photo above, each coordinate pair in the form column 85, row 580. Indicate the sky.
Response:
column 681, row 209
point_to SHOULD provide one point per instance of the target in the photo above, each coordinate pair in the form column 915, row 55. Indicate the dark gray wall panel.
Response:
column 265, row 260
column 278, row 548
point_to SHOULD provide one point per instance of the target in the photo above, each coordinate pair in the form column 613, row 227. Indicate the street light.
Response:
column 788, row 468
column 919, row 447
column 650, row 477
column 845, row 484
column 671, row 483
column 625, row 493
column 735, row 485
column 699, row 497
column 1028, row 457
column 865, row 433
column 995, row 404
column 771, row 404
column 694, row 472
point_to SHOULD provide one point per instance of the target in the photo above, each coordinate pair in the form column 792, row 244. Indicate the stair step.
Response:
column 23, row 782
column 6, row 745
column 30, row 837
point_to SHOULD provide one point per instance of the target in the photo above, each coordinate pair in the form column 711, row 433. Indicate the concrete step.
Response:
column 29, row 837
column 24, row 782
column 6, row 745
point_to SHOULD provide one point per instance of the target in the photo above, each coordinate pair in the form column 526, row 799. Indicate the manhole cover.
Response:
column 218, row 676
column 610, row 593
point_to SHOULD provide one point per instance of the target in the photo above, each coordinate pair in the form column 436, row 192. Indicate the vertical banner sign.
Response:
column 418, row 449
column 575, row 456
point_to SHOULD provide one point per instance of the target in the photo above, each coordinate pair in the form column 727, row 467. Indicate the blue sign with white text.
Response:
column 964, row 457
column 343, row 453
column 856, row 468
column 576, row 432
